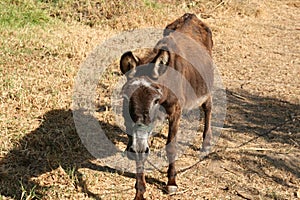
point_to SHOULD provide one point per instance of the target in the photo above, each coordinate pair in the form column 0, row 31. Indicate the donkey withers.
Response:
column 176, row 75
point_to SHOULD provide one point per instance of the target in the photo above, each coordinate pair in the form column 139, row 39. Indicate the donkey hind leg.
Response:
column 207, row 133
column 140, row 184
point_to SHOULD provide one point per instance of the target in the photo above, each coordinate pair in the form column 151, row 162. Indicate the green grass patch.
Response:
column 152, row 4
column 17, row 13
column 28, row 195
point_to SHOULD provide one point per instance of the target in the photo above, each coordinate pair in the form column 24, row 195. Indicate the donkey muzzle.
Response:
column 138, row 148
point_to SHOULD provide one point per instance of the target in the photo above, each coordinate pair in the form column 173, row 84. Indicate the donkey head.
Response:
column 142, row 99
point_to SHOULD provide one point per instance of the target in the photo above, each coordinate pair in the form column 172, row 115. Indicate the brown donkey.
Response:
column 176, row 75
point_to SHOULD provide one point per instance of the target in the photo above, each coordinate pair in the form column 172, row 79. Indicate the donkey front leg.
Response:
column 171, row 148
column 140, row 184
column 207, row 134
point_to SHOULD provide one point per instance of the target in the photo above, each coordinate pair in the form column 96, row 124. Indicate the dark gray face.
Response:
column 140, row 109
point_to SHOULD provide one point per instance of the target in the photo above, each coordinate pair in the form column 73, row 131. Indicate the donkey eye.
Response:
column 156, row 101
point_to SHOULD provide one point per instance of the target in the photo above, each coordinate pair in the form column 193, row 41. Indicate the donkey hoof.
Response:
column 206, row 149
column 171, row 189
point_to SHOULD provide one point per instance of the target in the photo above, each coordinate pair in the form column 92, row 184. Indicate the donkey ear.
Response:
column 161, row 63
column 128, row 62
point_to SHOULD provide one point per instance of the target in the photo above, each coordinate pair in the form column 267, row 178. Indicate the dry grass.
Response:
column 256, row 50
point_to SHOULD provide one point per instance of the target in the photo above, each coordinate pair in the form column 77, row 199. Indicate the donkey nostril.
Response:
column 131, row 150
column 147, row 150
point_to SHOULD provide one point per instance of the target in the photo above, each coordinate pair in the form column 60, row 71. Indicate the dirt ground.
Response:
column 256, row 49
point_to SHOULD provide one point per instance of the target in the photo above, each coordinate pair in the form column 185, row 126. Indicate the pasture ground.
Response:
column 43, row 43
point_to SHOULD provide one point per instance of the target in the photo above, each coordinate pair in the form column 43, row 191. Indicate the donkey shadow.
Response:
column 55, row 143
